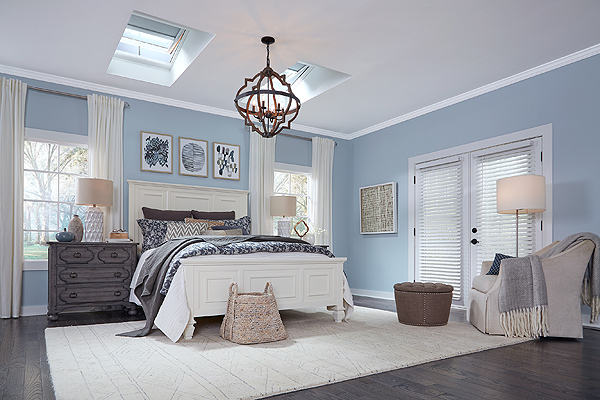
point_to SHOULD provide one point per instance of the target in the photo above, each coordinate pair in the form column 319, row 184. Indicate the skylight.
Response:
column 149, row 50
column 151, row 42
column 310, row 80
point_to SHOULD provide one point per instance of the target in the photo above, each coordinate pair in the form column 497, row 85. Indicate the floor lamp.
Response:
column 284, row 206
column 522, row 194
column 94, row 192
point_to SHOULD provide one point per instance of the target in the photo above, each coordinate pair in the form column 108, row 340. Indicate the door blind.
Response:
column 497, row 232
column 439, row 224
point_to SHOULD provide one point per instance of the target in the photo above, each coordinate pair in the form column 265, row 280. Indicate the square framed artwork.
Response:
column 226, row 161
column 156, row 152
column 193, row 157
column 378, row 209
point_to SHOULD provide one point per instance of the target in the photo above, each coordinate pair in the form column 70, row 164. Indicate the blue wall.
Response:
column 568, row 98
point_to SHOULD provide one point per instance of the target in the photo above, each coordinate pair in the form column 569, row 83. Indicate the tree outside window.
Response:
column 293, row 184
column 50, row 171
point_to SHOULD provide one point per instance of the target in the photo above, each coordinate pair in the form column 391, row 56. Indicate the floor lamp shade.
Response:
column 522, row 194
column 94, row 192
column 283, row 206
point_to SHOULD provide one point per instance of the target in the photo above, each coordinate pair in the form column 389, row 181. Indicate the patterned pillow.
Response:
column 183, row 229
column 244, row 223
column 495, row 268
column 153, row 233
column 209, row 222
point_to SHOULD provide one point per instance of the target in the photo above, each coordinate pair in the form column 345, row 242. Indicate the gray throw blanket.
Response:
column 147, row 288
column 590, row 287
column 522, row 299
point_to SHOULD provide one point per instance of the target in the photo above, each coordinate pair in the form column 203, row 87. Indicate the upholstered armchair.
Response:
column 563, row 273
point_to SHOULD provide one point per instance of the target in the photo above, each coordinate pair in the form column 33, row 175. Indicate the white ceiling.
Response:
column 406, row 56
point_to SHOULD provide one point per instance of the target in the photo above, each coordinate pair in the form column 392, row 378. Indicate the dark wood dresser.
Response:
column 90, row 275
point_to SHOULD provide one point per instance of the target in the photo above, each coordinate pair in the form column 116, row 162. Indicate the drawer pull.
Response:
column 77, row 254
column 73, row 275
column 118, row 293
column 114, row 254
column 73, row 295
column 117, row 274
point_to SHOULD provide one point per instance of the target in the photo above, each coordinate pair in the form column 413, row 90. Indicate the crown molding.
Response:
column 549, row 66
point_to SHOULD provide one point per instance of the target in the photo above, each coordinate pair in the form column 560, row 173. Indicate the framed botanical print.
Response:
column 193, row 157
column 156, row 152
column 378, row 209
column 226, row 161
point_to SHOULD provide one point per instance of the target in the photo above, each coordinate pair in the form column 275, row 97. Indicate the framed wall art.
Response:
column 226, row 161
column 378, row 209
column 193, row 157
column 157, row 152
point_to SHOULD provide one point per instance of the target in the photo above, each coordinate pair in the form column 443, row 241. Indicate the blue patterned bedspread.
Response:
column 206, row 249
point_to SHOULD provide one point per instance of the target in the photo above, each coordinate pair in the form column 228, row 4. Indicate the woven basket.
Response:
column 252, row 317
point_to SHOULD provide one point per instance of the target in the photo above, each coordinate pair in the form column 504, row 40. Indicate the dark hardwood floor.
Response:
column 540, row 369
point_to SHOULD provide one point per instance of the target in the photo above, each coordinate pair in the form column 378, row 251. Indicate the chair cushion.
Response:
column 495, row 268
column 483, row 283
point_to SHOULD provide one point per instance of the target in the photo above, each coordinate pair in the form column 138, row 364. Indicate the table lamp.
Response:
column 94, row 192
column 283, row 206
column 522, row 194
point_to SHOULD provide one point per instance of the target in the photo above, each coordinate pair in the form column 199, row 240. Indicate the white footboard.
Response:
column 298, row 282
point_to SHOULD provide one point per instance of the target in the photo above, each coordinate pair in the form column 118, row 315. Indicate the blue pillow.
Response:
column 495, row 268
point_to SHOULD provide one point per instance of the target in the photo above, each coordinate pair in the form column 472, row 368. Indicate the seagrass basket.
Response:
column 252, row 317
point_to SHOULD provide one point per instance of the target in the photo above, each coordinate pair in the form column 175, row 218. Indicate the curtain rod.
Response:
column 300, row 137
column 77, row 96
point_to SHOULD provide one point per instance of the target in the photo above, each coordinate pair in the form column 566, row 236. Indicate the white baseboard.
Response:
column 28, row 311
column 586, row 322
column 373, row 293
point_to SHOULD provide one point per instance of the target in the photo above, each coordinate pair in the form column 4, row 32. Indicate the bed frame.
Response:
column 298, row 282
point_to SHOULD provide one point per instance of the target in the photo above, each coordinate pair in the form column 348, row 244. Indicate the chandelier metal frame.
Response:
column 262, row 111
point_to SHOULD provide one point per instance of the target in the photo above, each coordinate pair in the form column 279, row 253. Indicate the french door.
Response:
column 456, row 225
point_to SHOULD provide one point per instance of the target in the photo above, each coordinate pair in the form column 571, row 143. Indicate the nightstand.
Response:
column 90, row 274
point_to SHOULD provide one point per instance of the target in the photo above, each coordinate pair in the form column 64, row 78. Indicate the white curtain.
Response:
column 262, row 175
column 321, row 189
column 105, row 151
column 12, row 132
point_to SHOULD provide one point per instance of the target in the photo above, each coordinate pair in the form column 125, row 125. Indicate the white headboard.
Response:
column 168, row 196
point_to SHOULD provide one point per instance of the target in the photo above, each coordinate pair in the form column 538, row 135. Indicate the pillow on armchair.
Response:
column 495, row 268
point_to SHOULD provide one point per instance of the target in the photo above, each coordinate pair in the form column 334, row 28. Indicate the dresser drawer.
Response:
column 114, row 255
column 84, row 274
column 77, row 255
column 79, row 294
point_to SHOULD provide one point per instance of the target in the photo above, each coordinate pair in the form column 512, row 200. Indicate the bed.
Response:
column 200, row 286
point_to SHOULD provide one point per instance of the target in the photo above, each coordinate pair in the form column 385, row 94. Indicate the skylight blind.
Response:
column 439, row 224
column 497, row 232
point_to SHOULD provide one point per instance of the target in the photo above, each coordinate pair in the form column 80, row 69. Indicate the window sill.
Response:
column 35, row 265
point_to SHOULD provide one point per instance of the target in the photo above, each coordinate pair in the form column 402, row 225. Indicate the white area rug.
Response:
column 90, row 362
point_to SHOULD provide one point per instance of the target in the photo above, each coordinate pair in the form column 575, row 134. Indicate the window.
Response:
column 293, row 180
column 50, row 170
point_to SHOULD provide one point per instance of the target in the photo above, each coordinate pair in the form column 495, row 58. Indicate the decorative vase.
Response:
column 76, row 228
column 65, row 236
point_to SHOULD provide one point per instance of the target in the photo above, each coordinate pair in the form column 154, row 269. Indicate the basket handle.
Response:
column 233, row 288
column 268, row 288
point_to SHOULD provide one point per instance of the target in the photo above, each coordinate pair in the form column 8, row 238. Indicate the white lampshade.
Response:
column 523, row 193
column 92, row 191
column 283, row 206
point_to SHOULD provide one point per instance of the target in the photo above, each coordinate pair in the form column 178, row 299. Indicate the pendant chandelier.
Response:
column 266, row 101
